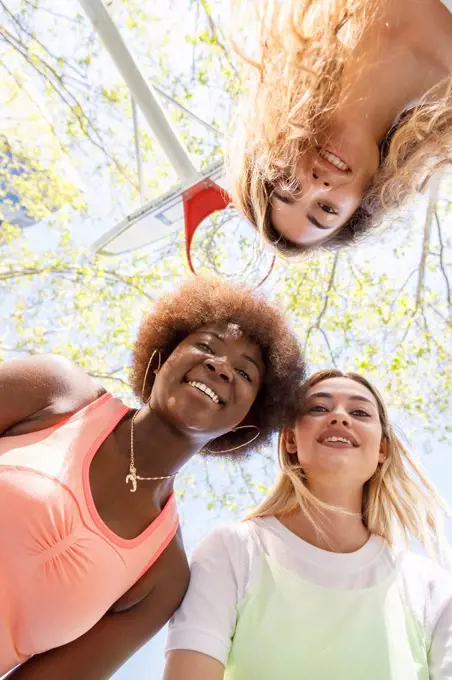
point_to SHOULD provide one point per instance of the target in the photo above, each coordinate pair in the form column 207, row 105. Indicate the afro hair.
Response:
column 200, row 302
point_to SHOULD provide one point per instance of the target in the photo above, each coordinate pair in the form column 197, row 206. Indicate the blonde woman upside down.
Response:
column 347, row 112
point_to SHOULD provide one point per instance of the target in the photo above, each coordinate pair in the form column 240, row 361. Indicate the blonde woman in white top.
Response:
column 313, row 586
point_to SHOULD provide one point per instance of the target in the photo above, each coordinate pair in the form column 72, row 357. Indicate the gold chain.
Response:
column 132, row 477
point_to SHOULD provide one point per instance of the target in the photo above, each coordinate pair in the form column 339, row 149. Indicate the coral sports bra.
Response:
column 61, row 567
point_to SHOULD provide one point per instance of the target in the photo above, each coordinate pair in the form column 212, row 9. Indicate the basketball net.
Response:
column 200, row 201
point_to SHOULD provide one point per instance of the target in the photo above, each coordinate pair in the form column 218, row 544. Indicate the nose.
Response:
column 316, row 176
column 220, row 367
column 328, row 179
column 340, row 417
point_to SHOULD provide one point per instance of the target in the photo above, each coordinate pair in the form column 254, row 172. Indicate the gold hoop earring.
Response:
column 235, row 448
column 147, row 371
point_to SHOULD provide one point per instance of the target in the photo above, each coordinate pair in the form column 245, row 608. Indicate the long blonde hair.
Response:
column 398, row 499
column 294, row 83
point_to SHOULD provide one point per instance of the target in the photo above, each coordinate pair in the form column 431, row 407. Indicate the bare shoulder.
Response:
column 67, row 382
column 49, row 369
column 42, row 389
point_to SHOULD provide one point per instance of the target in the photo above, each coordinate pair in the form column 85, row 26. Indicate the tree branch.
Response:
column 33, row 37
column 215, row 33
column 5, row 276
column 441, row 263
column 84, row 122
column 328, row 290
column 316, row 325
column 246, row 481
column 49, row 11
column 427, row 235
column 62, row 146
column 107, row 376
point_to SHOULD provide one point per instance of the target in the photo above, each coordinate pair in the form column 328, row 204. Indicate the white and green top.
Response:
column 270, row 606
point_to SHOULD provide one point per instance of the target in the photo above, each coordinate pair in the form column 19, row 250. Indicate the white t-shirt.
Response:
column 226, row 579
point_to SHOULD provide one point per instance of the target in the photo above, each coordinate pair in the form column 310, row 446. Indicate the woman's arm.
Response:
column 36, row 390
column 201, row 631
column 440, row 654
column 117, row 636
column 183, row 664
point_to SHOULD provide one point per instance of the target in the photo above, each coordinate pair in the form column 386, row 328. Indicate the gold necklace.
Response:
column 132, row 477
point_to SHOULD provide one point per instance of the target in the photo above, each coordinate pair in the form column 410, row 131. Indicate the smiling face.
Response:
column 338, row 436
column 209, row 382
column 331, row 182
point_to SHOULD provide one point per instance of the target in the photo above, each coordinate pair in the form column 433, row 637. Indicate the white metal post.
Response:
column 141, row 90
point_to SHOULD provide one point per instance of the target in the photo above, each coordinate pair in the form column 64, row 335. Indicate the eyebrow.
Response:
column 311, row 218
column 327, row 395
column 253, row 361
column 316, row 223
column 215, row 334
column 219, row 336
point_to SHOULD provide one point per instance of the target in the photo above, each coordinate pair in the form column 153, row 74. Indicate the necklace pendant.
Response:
column 133, row 480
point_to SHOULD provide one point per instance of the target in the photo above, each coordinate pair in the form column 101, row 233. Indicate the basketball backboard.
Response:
column 199, row 195
column 155, row 221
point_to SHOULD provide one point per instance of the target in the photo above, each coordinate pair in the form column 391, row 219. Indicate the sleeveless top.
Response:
column 332, row 634
column 269, row 606
column 61, row 567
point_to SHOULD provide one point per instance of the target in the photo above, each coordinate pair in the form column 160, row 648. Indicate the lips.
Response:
column 338, row 437
column 207, row 390
column 333, row 161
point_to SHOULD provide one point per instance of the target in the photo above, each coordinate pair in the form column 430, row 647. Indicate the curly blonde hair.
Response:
column 295, row 52
column 398, row 498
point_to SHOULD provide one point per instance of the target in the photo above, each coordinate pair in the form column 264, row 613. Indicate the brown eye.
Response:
column 244, row 374
column 204, row 346
column 360, row 413
column 328, row 209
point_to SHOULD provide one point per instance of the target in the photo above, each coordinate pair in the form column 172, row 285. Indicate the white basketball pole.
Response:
column 141, row 90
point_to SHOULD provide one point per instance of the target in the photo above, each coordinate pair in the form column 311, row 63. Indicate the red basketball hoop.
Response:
column 200, row 201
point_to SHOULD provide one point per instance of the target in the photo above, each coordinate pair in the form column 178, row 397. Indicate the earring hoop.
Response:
column 147, row 371
column 235, row 448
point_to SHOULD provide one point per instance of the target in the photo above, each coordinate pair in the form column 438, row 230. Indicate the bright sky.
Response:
column 196, row 519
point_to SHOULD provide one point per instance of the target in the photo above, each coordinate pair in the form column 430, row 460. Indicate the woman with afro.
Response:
column 347, row 113
column 92, row 563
